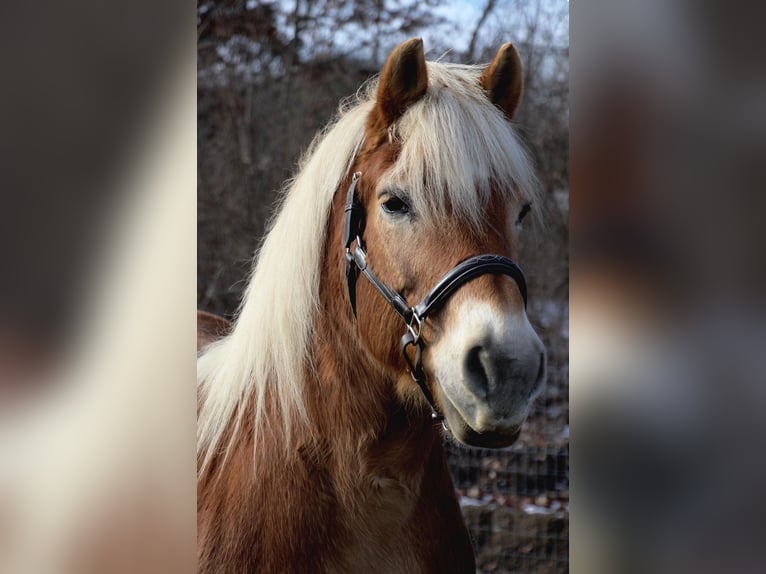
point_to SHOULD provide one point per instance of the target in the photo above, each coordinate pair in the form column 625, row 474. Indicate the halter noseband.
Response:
column 434, row 300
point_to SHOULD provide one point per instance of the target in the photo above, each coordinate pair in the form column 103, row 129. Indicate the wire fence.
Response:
column 516, row 506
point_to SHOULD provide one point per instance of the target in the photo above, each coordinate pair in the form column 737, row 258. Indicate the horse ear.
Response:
column 502, row 79
column 403, row 80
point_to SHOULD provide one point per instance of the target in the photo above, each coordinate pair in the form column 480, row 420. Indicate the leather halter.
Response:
column 434, row 300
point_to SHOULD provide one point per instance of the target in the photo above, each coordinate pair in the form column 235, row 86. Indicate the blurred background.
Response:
column 270, row 75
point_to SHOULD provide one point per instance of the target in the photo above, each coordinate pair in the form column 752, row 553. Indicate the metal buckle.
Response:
column 415, row 319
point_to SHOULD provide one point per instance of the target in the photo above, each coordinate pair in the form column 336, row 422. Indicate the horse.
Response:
column 319, row 443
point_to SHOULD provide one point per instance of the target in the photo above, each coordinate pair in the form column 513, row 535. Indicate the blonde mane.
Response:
column 456, row 148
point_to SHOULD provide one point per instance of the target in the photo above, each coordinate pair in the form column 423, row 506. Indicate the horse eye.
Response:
column 396, row 205
column 525, row 209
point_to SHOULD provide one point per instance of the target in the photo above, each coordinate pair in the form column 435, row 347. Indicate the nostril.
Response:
column 475, row 373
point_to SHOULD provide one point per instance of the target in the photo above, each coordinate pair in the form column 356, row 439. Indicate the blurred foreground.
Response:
column 97, row 345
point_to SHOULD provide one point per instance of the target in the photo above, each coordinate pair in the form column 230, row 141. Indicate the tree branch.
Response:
column 484, row 15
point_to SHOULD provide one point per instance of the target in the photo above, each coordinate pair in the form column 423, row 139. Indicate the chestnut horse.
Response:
column 317, row 445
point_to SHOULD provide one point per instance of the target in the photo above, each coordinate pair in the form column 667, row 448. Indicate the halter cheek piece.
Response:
column 434, row 300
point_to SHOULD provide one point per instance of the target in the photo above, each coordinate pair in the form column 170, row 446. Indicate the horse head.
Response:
column 443, row 180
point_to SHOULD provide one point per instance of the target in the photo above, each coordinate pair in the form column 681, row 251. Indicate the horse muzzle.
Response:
column 488, row 369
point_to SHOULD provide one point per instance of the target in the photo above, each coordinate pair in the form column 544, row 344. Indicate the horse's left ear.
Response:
column 502, row 79
column 403, row 81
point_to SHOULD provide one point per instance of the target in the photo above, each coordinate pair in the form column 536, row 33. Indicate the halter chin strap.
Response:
column 462, row 273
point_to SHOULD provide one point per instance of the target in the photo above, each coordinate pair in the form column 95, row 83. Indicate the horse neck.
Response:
column 353, row 405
